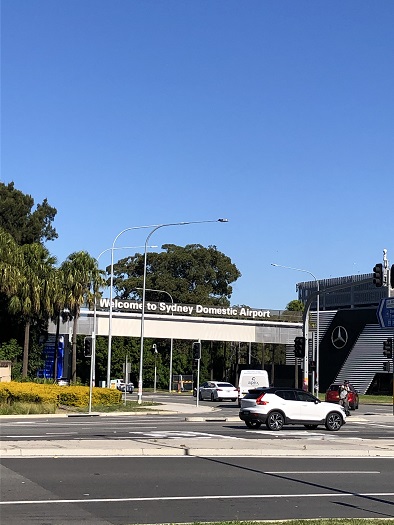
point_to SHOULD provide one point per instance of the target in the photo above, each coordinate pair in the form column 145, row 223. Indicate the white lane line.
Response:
column 190, row 498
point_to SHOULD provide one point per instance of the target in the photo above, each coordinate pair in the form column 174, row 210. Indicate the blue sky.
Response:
column 277, row 115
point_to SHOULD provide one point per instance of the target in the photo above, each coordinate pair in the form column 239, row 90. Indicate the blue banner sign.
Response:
column 385, row 312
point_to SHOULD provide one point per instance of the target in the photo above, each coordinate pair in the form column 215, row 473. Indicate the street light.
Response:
column 111, row 296
column 316, row 385
column 144, row 289
column 94, row 332
column 171, row 341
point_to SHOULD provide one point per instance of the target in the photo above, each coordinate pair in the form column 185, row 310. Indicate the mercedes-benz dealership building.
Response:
column 351, row 338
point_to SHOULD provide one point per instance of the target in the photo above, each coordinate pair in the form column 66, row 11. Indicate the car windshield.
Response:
column 225, row 385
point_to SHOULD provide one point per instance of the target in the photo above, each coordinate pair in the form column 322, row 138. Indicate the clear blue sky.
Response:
column 275, row 114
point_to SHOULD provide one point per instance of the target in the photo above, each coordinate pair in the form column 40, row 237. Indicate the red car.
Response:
column 332, row 395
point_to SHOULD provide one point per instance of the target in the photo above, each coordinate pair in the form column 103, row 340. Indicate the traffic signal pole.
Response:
column 384, row 276
column 196, row 349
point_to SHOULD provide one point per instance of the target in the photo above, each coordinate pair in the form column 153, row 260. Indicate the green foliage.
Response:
column 18, row 219
column 20, row 408
column 295, row 306
column 81, row 281
column 12, row 351
column 192, row 275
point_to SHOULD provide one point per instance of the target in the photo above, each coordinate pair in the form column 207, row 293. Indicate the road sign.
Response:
column 385, row 312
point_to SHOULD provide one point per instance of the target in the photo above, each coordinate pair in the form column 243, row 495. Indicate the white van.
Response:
column 249, row 379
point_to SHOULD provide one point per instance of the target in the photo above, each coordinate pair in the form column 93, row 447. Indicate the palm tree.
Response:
column 82, row 279
column 32, row 297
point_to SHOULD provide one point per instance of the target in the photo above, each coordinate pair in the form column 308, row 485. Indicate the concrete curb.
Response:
column 184, row 450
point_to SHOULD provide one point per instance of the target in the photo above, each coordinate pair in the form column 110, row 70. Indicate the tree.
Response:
column 82, row 279
column 32, row 296
column 10, row 262
column 192, row 274
column 18, row 219
column 11, row 351
column 295, row 306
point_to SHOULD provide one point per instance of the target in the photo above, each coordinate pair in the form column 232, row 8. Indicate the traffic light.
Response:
column 386, row 366
column 299, row 346
column 87, row 347
column 378, row 275
column 196, row 351
column 388, row 348
column 312, row 366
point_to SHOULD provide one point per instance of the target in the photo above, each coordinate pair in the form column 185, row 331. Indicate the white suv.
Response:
column 276, row 407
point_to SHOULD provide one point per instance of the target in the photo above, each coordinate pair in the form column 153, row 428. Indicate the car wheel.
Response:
column 213, row 397
column 334, row 421
column 253, row 424
column 311, row 427
column 200, row 396
column 275, row 421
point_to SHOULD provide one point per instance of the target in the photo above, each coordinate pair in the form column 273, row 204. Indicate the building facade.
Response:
column 350, row 337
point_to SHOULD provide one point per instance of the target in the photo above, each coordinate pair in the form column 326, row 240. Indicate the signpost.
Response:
column 385, row 312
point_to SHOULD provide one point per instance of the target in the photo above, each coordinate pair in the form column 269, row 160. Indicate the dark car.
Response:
column 129, row 387
column 332, row 395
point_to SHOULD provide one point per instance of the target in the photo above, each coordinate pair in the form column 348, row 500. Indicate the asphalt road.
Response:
column 359, row 426
column 120, row 491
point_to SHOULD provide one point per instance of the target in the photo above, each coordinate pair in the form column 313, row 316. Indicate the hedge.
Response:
column 77, row 396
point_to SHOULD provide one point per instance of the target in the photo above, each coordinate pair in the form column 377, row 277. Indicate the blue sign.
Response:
column 385, row 313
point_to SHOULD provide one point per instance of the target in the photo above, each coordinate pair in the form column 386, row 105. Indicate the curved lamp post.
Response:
column 111, row 296
column 316, row 385
column 171, row 344
column 94, row 333
column 144, row 289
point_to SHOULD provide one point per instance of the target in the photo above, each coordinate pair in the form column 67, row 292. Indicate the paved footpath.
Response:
column 322, row 445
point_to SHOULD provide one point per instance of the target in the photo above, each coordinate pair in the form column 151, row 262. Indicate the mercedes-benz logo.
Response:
column 339, row 337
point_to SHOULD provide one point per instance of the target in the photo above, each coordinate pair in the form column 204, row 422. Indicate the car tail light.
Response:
column 260, row 401
column 219, row 389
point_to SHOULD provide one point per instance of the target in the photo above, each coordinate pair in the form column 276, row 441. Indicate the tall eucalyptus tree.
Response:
column 10, row 262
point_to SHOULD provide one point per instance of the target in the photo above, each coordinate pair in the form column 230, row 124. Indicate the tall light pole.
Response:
column 144, row 289
column 94, row 333
column 316, row 385
column 171, row 341
column 111, row 296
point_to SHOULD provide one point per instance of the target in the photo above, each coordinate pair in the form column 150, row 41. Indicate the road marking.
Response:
column 190, row 498
column 173, row 434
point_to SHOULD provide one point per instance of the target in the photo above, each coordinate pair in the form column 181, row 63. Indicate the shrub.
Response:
column 76, row 396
